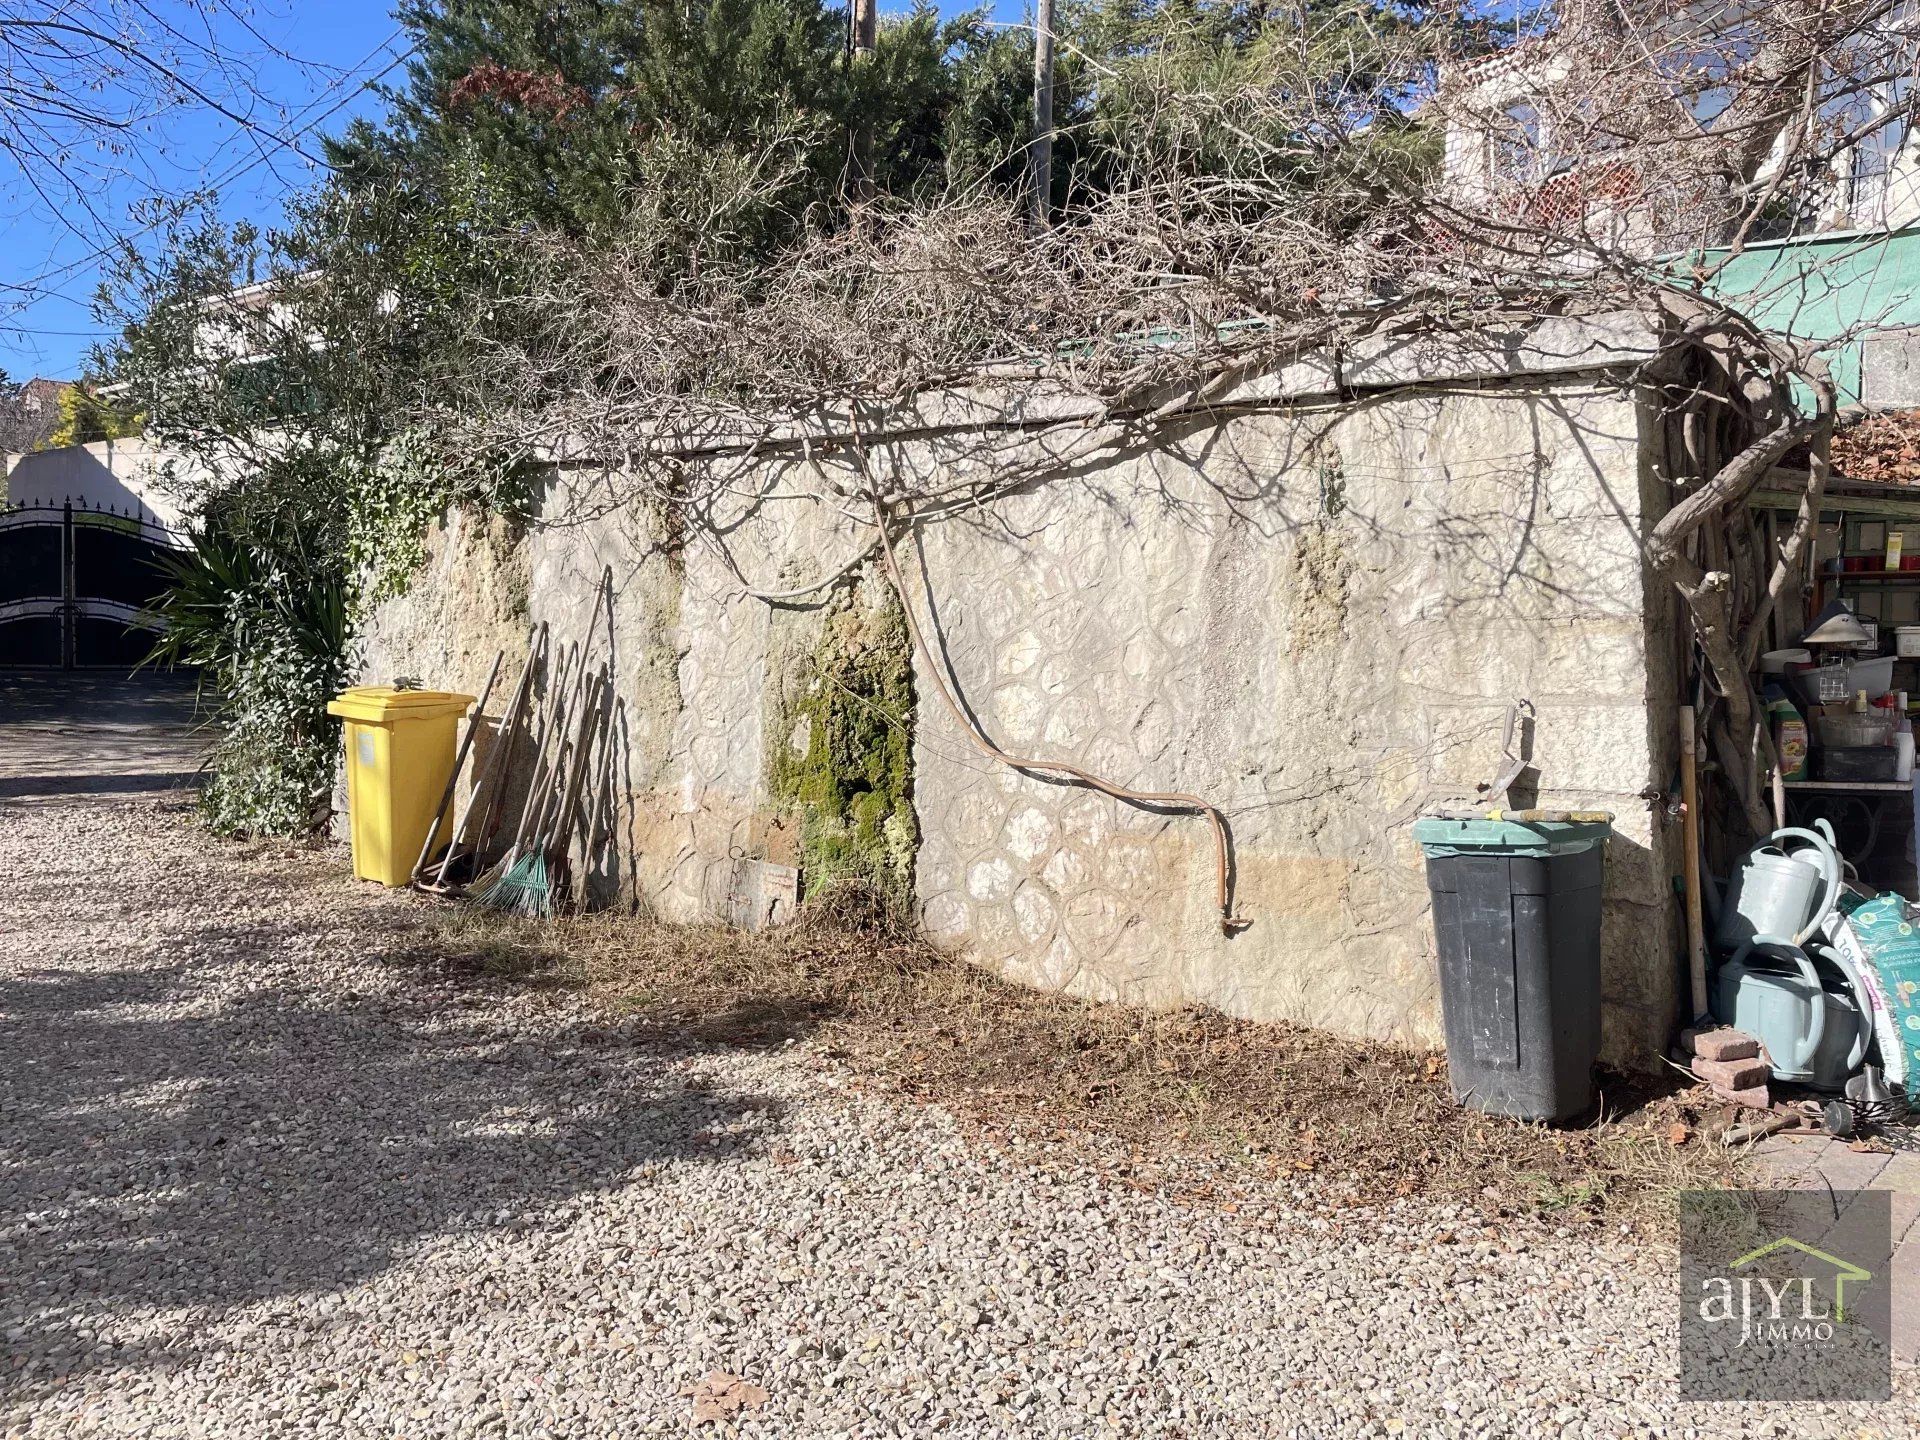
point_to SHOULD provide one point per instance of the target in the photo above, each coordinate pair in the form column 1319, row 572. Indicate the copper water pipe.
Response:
column 1229, row 922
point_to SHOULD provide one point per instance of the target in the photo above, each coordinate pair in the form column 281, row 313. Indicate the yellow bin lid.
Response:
column 379, row 704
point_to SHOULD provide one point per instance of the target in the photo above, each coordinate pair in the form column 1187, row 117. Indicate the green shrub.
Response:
column 265, row 622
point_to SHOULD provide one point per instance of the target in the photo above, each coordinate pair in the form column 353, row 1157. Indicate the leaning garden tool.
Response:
column 519, row 881
column 464, row 851
column 599, row 798
column 486, row 884
column 527, row 887
column 496, row 786
column 586, row 751
column 453, row 778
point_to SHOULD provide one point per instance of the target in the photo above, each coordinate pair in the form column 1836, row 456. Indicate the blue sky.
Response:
column 327, row 52
column 309, row 63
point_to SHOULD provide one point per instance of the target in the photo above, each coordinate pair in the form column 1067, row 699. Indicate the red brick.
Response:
column 1757, row 1098
column 1732, row 1074
column 1721, row 1043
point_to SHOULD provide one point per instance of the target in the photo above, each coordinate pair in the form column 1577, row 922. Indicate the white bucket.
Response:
column 1906, row 641
column 1875, row 676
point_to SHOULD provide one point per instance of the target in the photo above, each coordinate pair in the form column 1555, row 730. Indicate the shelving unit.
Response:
column 1889, row 597
column 1851, row 787
column 1874, row 817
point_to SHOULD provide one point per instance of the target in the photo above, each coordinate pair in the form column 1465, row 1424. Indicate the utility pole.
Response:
column 866, row 34
column 1040, row 153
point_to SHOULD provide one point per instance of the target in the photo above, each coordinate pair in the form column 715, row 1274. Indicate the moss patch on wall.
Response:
column 843, row 762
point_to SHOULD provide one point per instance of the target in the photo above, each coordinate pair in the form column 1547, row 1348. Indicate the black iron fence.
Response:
column 79, row 585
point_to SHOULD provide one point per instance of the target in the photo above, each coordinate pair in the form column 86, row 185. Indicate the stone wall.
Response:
column 1318, row 622
column 1315, row 614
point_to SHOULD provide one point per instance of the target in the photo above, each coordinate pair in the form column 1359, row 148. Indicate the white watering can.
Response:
column 1815, row 1031
column 1782, row 889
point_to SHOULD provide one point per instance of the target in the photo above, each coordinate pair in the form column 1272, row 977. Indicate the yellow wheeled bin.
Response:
column 399, row 757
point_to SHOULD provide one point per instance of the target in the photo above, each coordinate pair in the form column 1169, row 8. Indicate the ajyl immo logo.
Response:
column 1803, row 1307
column 1785, row 1295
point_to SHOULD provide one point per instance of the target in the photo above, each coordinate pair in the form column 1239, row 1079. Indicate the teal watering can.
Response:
column 1814, row 1030
column 1782, row 889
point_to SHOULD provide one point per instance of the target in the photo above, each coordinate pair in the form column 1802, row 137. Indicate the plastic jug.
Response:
column 1814, row 1032
column 1782, row 889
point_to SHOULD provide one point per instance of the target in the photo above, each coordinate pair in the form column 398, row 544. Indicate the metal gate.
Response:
column 79, row 586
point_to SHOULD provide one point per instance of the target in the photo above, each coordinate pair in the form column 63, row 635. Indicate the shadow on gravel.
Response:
column 179, row 1136
column 71, row 734
column 42, row 787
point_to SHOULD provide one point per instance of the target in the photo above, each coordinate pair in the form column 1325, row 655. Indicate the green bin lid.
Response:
column 1509, row 837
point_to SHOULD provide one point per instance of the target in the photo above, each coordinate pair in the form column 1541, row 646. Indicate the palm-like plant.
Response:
column 266, row 624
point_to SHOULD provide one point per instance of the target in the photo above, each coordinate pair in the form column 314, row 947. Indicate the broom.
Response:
column 444, row 877
column 528, row 885
column 519, row 883
column 491, row 888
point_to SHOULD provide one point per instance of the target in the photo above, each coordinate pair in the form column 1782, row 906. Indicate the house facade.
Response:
column 1616, row 131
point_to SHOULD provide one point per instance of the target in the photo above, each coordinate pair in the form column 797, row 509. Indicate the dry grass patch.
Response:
column 1368, row 1122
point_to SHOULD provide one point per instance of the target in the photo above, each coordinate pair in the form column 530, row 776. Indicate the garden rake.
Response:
column 464, row 850
column 521, row 872
column 529, row 885
column 521, row 883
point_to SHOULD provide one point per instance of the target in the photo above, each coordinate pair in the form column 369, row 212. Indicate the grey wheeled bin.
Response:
column 1516, row 913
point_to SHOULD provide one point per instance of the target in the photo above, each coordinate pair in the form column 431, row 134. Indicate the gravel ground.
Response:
column 268, row 1169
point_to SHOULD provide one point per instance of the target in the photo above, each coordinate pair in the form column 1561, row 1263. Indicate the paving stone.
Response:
column 1721, row 1043
column 1780, row 1159
column 1906, row 1301
column 1906, row 1218
column 1733, row 1075
column 1902, row 1174
column 1845, row 1168
column 1906, row 1323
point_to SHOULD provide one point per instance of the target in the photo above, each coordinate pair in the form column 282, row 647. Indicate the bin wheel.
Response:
column 1837, row 1116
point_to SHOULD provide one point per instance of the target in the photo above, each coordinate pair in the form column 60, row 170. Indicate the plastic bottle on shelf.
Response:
column 1902, row 740
column 1789, row 734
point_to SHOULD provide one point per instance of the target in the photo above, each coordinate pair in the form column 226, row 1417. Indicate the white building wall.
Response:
column 121, row 475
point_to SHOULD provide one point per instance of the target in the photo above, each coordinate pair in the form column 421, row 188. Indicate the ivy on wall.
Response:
column 393, row 507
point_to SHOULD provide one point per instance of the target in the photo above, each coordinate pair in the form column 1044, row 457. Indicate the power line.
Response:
column 60, row 272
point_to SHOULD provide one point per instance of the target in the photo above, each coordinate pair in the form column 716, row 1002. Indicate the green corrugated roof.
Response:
column 1828, row 287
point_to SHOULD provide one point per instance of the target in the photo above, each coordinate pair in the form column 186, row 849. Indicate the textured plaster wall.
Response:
column 1317, row 621
column 688, row 651
column 1315, row 616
